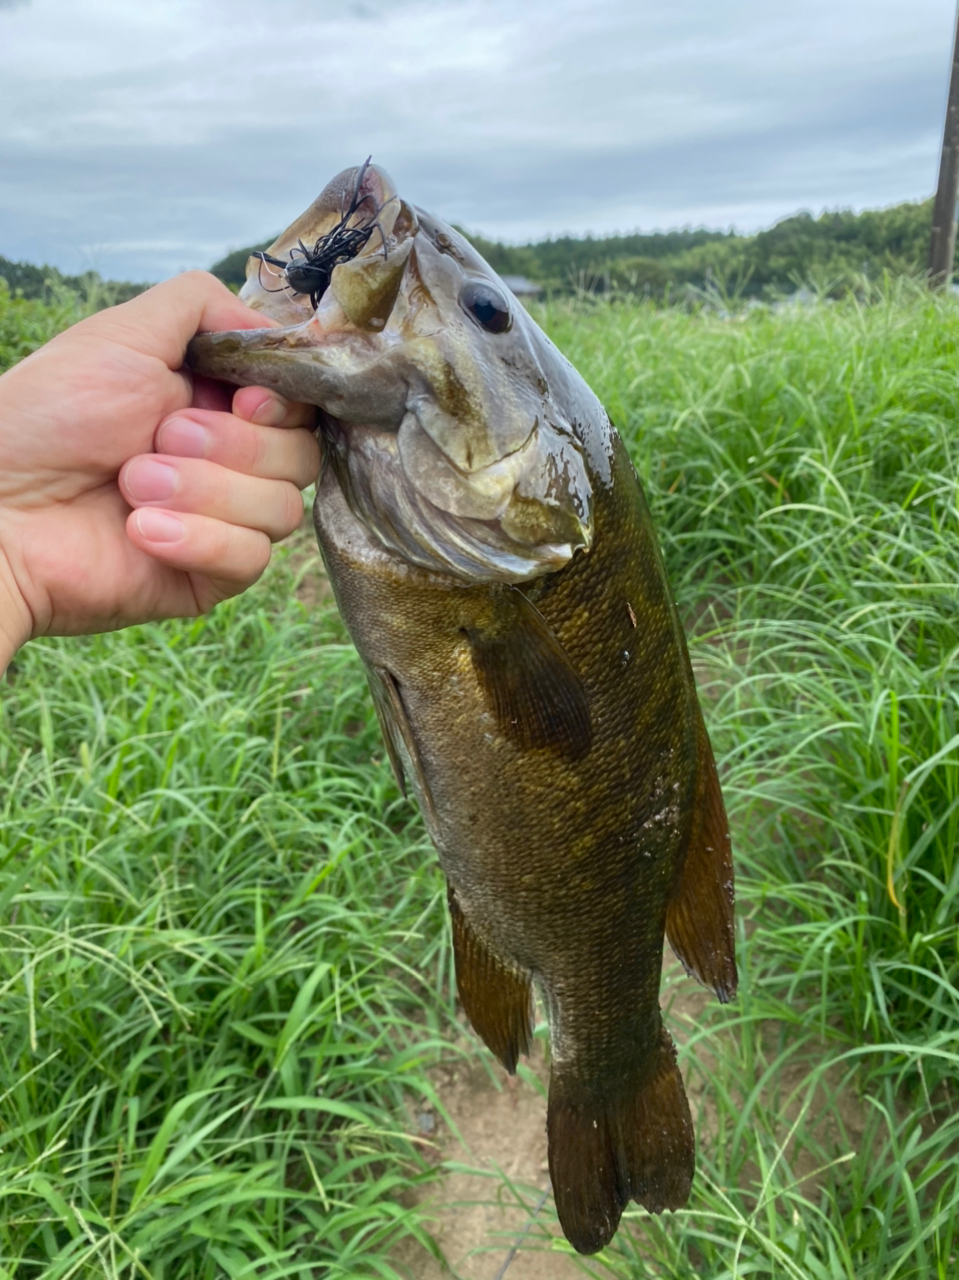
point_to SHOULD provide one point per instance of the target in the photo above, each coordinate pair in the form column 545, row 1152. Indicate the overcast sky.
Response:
column 140, row 137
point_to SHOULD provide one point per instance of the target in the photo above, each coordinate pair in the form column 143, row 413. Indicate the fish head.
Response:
column 459, row 435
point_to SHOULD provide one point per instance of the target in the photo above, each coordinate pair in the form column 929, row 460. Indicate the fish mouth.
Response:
column 359, row 214
column 331, row 281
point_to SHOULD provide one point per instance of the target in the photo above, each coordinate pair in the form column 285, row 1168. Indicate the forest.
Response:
column 833, row 252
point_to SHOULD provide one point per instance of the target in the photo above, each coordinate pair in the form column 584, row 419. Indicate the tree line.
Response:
column 26, row 280
column 833, row 253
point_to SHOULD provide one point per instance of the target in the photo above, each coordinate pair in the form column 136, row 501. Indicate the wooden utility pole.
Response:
column 942, row 243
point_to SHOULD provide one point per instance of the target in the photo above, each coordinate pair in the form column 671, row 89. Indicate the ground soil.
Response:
column 477, row 1220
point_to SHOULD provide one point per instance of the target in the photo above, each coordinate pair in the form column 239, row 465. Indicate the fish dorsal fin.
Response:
column 699, row 917
column 398, row 735
column 532, row 689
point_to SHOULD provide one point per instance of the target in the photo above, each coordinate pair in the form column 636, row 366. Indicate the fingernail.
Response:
column 150, row 481
column 271, row 413
column 159, row 526
column 185, row 438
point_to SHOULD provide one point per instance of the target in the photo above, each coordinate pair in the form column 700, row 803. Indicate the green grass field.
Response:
column 225, row 968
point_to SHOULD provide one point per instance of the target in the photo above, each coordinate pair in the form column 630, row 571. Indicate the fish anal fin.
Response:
column 536, row 696
column 497, row 998
column 699, row 916
column 634, row 1141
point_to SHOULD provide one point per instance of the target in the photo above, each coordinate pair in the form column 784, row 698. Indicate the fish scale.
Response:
column 494, row 559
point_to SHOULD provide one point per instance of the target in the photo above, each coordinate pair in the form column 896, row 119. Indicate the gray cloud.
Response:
column 143, row 139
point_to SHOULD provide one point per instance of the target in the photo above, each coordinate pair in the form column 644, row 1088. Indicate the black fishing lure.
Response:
column 310, row 270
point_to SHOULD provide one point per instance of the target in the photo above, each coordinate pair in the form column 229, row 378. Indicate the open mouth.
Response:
column 309, row 267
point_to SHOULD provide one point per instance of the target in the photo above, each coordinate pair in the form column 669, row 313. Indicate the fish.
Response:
column 493, row 556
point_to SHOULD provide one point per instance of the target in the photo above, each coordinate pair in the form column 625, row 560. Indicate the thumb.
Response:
column 162, row 321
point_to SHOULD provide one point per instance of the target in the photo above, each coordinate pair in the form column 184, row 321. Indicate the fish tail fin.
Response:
column 699, row 916
column 497, row 998
column 632, row 1143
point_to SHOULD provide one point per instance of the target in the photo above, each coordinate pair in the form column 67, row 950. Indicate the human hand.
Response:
column 103, row 419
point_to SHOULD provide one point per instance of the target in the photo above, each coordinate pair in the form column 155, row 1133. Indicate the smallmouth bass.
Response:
column 493, row 557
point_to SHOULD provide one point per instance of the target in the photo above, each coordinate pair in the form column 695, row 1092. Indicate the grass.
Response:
column 26, row 323
column 226, row 970
column 223, row 948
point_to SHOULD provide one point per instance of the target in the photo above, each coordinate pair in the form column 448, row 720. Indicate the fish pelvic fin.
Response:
column 633, row 1141
column 699, row 915
column 497, row 997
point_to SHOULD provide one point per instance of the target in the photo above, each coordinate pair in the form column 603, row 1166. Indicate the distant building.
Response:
column 522, row 287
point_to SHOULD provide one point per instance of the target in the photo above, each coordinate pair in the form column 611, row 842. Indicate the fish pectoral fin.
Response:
column 699, row 915
column 631, row 1138
column 398, row 735
column 496, row 997
column 532, row 689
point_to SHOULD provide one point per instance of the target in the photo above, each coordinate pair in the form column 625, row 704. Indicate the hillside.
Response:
column 832, row 251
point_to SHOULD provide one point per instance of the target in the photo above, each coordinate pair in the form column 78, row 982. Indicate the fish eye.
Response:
column 486, row 304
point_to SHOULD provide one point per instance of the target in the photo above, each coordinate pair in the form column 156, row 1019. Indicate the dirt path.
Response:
column 477, row 1217
column 481, row 1213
